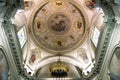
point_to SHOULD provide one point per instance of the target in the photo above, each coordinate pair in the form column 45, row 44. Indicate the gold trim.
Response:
column 46, row 2
column 59, row 65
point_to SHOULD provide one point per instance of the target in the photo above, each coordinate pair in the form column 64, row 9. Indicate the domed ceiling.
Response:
column 58, row 26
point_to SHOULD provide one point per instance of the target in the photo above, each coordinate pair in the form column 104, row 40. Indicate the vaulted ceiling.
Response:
column 60, row 30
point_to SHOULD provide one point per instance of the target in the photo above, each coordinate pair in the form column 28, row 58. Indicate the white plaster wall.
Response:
column 19, row 19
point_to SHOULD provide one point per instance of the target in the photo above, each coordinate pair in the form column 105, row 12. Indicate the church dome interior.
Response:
column 59, row 40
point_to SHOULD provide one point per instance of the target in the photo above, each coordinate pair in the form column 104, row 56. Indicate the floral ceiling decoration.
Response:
column 28, row 4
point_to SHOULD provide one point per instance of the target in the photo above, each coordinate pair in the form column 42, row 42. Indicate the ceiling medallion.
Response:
column 58, row 29
column 59, row 23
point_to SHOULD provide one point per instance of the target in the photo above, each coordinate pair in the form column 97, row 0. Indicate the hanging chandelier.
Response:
column 59, row 69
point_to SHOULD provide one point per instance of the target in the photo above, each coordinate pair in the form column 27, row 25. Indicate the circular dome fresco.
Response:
column 58, row 23
column 58, row 26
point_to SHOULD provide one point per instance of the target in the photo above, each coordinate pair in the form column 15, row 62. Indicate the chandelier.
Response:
column 59, row 69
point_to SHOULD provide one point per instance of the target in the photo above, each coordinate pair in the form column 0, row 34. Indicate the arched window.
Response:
column 3, row 66
column 115, row 65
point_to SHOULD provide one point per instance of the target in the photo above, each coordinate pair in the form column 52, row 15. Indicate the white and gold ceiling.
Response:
column 61, row 27
column 58, row 26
